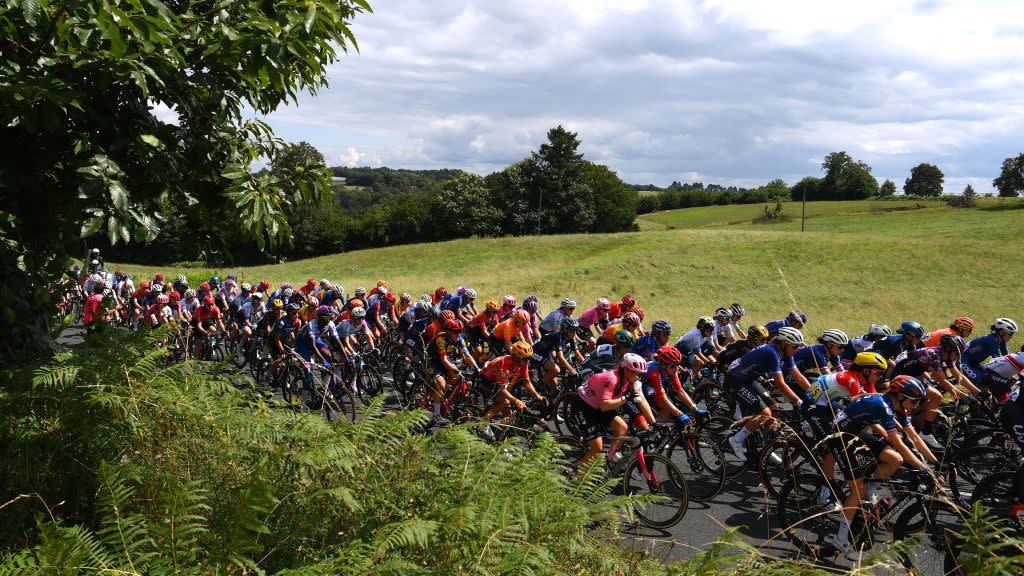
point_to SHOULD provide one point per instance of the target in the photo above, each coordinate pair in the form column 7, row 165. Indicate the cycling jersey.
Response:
column 92, row 308
column 981, row 349
column 314, row 332
column 484, row 318
column 815, row 359
column 601, row 359
column 693, row 341
column 609, row 332
column 645, row 346
column 552, row 342
column 505, row 370
column 856, row 346
column 592, row 316
column 834, row 388
column 553, row 321
column 1000, row 374
column 935, row 337
column 347, row 327
column 250, row 312
column 774, row 325
column 723, row 332
column 761, row 361
column 443, row 346
column 655, row 379
column 733, row 352
column 285, row 329
column 600, row 387
column 506, row 330
column 617, row 311
column 453, row 303
column 205, row 314
column 921, row 361
column 869, row 409
column 892, row 347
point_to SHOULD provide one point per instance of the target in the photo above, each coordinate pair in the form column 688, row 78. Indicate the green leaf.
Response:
column 30, row 8
column 93, row 225
column 113, row 229
column 152, row 141
column 118, row 195
column 140, row 81
column 310, row 16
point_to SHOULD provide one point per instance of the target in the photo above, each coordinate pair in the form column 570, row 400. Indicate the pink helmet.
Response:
column 163, row 298
column 604, row 304
column 510, row 300
column 634, row 363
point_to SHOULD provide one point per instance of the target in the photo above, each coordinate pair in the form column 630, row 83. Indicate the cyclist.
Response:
column 962, row 326
column 207, row 319
column 441, row 355
column 647, row 345
column 438, row 296
column 285, row 330
column 160, row 312
column 250, row 313
column 988, row 346
column 460, row 303
column 630, row 323
column 404, row 301
column 508, row 306
column 692, row 344
column 507, row 331
column 553, row 321
column 499, row 377
column 724, row 334
column 665, row 370
column 553, row 351
column 823, row 357
column 795, row 319
column 94, row 314
column 744, row 377
column 620, row 309
column 933, row 362
column 479, row 328
column 738, row 311
column 1000, row 375
column 602, row 395
column 309, row 287
column 531, row 332
column 864, row 343
column 607, row 356
column 595, row 317
column 895, row 347
column 349, row 330
column 890, row 411
column 756, row 336
column 317, row 335
column 828, row 394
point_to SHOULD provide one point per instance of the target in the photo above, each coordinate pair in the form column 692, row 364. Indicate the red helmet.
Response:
column 447, row 315
column 175, row 296
column 204, row 286
column 628, row 301
column 390, row 297
column 962, row 323
column 668, row 355
column 441, row 292
column 631, row 318
column 356, row 303
column 159, row 277
column 639, row 312
column 208, row 299
column 453, row 325
column 265, row 284
column 311, row 282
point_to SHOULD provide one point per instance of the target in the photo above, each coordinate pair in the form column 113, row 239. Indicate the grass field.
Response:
column 853, row 266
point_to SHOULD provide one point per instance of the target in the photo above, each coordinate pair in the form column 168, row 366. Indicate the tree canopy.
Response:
column 1010, row 181
column 925, row 180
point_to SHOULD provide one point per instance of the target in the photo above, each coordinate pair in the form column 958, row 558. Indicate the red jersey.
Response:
column 505, row 370
column 207, row 313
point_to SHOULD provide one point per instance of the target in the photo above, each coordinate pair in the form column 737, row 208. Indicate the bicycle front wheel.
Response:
column 940, row 523
column 656, row 475
column 702, row 463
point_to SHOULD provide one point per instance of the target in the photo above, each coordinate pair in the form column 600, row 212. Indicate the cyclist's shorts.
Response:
column 750, row 398
column 497, row 346
column 998, row 385
column 819, row 418
column 592, row 422
column 856, row 454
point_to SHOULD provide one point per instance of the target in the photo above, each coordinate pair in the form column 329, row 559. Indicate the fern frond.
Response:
column 415, row 533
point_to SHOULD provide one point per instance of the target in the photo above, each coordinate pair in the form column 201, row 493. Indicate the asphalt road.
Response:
column 742, row 504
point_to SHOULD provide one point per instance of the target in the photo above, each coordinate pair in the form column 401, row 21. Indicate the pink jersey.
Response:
column 601, row 387
column 590, row 317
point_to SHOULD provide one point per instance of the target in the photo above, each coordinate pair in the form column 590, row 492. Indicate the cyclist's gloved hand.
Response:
column 683, row 419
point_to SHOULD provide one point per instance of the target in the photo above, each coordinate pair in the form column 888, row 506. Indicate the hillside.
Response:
column 851, row 268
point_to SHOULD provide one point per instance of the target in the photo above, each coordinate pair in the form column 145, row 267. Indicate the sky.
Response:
column 730, row 92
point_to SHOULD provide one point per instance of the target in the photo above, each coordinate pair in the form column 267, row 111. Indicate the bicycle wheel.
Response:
column 720, row 429
column 782, row 459
column 807, row 521
column 714, row 399
column 972, row 464
column 939, row 523
column 564, row 415
column 702, row 463
column 369, row 383
column 343, row 401
column 657, row 477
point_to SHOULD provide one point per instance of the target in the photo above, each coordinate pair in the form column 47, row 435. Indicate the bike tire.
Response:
column 667, row 481
column 794, row 459
column 940, row 523
column 701, row 461
column 806, row 522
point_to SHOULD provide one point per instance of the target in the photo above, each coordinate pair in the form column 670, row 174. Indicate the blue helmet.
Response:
column 911, row 328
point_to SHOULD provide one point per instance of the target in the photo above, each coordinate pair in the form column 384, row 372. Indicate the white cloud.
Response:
column 734, row 92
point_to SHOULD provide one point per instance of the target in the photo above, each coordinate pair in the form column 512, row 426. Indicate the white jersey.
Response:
column 693, row 341
column 1006, row 366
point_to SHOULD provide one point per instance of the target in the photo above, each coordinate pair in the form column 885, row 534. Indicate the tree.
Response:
column 462, row 208
column 925, row 180
column 777, row 188
column 615, row 204
column 966, row 200
column 805, row 188
column 555, row 174
column 1011, row 179
column 294, row 159
column 845, row 178
column 84, row 153
column 888, row 188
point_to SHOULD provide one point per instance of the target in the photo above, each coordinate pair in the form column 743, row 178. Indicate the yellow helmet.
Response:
column 277, row 303
column 521, row 350
column 492, row 306
column 870, row 360
column 757, row 332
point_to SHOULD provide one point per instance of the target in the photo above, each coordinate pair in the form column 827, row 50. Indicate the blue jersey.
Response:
column 869, row 409
column 551, row 342
column 453, row 303
column 645, row 346
column 814, row 358
column 892, row 346
column 774, row 325
column 761, row 361
column 982, row 348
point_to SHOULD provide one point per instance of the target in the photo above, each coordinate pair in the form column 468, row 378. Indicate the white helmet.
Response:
column 1006, row 325
column 470, row 293
column 834, row 336
column 790, row 335
column 879, row 330
column 359, row 312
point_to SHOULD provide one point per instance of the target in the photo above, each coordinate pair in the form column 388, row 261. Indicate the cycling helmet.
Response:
column 640, row 313
column 470, row 293
column 324, row 311
column 190, row 294
column 440, row 292
column 265, row 284
column 406, row 297
column 568, row 303
column 382, row 283
column 246, row 287
column 448, row 315
column 286, row 285
column 426, row 299
column 1006, row 325
column 510, row 300
column 530, row 304
column 633, row 363
column 789, row 335
column 175, row 296
column 163, row 298
column 911, row 328
column 312, row 300
column 723, row 313
column 953, row 343
column 360, row 292
column 661, row 327
column 569, row 323
column 433, row 312
column 738, row 310
column 631, row 319
column 311, row 282
column 453, row 325
column 461, row 290
column 294, row 307
column 256, row 296
column 232, row 277
column 962, row 323
column 604, row 304
column 521, row 317
column 834, row 336
column 94, row 264
column 757, row 332
column 492, row 306
column 205, row 286
column 382, row 290
column 287, row 292
column 521, row 350
column 359, row 312
column 628, row 301
column 908, row 387
column 214, row 281
column 119, row 273
column 95, row 251
column 144, row 285
column 208, row 299
column 277, row 304
column 624, row 337
column 705, row 322
column 356, row 303
column 668, row 355
column 870, row 360
column 879, row 330
column 797, row 316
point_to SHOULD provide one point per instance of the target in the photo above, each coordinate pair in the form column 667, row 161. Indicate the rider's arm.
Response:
column 780, row 384
column 896, row 440
column 800, row 378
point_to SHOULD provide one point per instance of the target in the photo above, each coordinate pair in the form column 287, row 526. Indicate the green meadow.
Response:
column 857, row 263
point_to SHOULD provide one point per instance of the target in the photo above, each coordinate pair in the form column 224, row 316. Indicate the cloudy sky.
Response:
column 733, row 92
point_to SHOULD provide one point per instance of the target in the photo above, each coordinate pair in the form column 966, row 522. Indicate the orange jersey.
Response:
column 934, row 337
column 507, row 330
column 609, row 332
